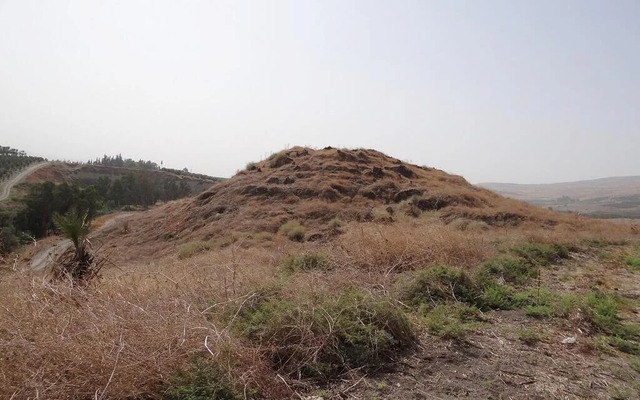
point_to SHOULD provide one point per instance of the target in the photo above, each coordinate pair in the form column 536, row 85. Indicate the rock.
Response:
column 569, row 340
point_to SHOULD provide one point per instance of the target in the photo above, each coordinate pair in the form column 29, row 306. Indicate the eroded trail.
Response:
column 6, row 187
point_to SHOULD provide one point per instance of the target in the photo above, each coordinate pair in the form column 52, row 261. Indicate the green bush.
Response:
column 540, row 253
column 499, row 298
column 507, row 269
column 624, row 345
column 632, row 262
column 202, row 380
column 602, row 311
column 436, row 285
column 306, row 262
column 351, row 329
column 293, row 230
column 452, row 321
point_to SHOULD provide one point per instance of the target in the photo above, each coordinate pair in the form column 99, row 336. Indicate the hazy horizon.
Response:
column 499, row 91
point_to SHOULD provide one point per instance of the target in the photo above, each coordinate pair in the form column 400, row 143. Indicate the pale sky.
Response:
column 507, row 91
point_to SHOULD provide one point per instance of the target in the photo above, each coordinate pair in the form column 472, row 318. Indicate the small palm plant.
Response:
column 80, row 267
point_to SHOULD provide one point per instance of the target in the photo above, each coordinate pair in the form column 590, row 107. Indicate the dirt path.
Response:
column 14, row 180
column 47, row 255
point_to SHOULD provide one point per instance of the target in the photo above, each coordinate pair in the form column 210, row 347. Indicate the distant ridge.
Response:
column 617, row 196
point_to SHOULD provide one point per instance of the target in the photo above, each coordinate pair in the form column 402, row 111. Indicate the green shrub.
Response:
column 499, row 298
column 437, row 285
column 506, row 269
column 452, row 321
column 624, row 345
column 351, row 329
column 540, row 253
column 203, row 380
column 306, row 262
column 632, row 262
column 602, row 311
column 293, row 230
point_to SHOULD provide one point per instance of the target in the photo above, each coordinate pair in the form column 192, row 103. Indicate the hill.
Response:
column 326, row 274
column 615, row 197
column 313, row 187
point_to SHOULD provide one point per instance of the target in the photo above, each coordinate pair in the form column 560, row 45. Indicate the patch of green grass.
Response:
column 436, row 285
column 293, row 230
column 452, row 321
column 624, row 345
column 327, row 336
column 307, row 262
column 499, row 297
column 540, row 253
column 505, row 269
column 202, row 380
column 602, row 311
column 618, row 394
column 633, row 263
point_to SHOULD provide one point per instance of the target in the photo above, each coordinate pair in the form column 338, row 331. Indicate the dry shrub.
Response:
column 122, row 339
column 402, row 246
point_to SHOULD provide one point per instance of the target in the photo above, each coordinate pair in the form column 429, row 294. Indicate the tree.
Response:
column 80, row 268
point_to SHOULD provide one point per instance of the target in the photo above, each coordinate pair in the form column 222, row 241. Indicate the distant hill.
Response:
column 615, row 197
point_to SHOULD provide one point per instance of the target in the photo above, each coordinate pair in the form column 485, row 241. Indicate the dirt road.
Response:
column 14, row 180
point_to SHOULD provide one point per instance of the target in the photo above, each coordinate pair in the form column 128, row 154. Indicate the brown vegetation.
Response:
column 329, row 315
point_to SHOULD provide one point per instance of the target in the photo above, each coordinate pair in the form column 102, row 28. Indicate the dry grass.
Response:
column 123, row 337
column 126, row 335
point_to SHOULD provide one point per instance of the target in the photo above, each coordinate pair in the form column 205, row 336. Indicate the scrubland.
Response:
column 403, row 303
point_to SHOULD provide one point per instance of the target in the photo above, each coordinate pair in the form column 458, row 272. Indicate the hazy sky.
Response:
column 512, row 91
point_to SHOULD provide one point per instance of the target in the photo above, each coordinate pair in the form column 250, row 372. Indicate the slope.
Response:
column 313, row 187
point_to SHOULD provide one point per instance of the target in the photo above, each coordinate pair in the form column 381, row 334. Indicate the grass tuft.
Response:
column 452, row 321
column 541, row 254
column 293, row 230
column 436, row 285
column 307, row 262
column 202, row 380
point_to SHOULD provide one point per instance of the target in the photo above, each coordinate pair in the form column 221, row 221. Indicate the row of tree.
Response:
column 8, row 151
column 12, row 163
column 36, row 218
column 119, row 161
